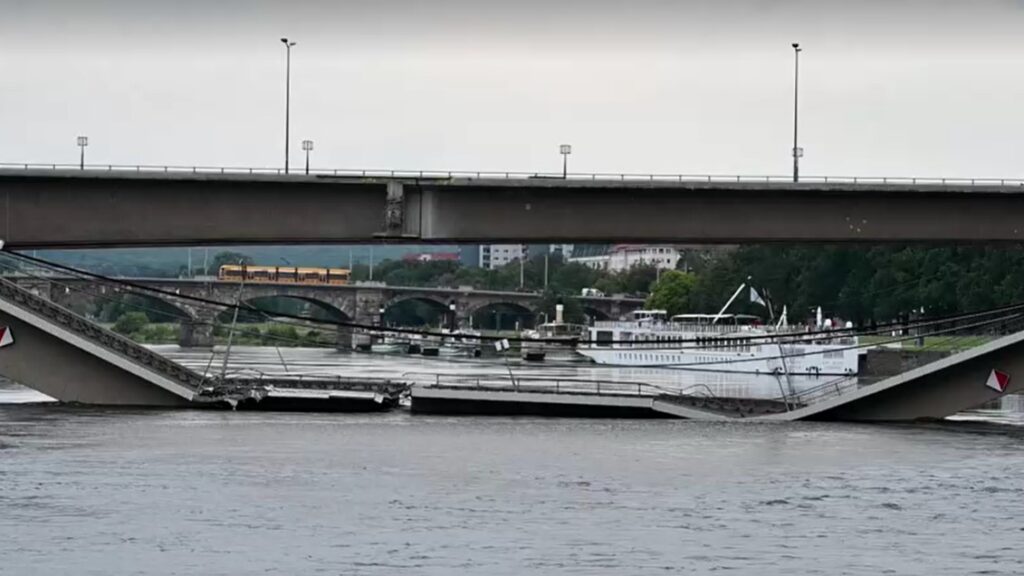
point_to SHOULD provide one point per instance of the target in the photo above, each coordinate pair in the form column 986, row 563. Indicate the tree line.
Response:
column 856, row 282
column 864, row 283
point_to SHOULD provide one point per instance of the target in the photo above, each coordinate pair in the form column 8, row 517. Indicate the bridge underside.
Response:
column 43, row 209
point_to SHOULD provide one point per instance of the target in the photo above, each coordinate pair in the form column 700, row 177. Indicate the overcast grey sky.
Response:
column 896, row 87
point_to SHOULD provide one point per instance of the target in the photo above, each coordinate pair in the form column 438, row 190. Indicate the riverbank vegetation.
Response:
column 861, row 283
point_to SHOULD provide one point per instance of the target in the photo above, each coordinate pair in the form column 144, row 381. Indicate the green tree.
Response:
column 281, row 335
column 130, row 323
column 225, row 258
column 673, row 292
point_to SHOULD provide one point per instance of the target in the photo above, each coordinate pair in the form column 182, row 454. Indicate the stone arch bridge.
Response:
column 360, row 303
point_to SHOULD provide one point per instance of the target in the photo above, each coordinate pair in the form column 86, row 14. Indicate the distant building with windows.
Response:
column 593, row 255
column 491, row 256
column 621, row 257
column 501, row 254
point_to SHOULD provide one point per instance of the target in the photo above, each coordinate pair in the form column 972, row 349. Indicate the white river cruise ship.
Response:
column 721, row 343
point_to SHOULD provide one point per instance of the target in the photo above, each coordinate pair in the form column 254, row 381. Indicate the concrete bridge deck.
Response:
column 63, row 355
column 937, row 390
column 47, row 208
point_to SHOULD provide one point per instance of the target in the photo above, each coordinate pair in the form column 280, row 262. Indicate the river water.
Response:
column 97, row 491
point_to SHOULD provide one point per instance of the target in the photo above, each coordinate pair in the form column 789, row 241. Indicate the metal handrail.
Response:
column 825, row 391
column 549, row 384
column 516, row 175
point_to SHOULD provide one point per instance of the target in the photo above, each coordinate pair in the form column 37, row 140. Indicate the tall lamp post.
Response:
column 307, row 145
column 565, row 150
column 83, row 141
column 798, row 152
column 287, row 98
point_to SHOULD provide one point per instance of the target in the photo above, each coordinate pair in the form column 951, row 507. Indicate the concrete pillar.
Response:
column 195, row 334
column 197, row 330
column 344, row 338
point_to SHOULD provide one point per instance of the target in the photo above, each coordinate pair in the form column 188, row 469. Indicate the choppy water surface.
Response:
column 86, row 491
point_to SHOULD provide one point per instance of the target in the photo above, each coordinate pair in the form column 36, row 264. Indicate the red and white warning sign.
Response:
column 997, row 380
column 6, row 336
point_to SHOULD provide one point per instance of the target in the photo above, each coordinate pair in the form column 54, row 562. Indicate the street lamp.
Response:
column 307, row 145
column 798, row 152
column 451, row 316
column 565, row 150
column 287, row 97
column 83, row 141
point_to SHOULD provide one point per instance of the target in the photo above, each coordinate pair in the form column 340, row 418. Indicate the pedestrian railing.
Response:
column 252, row 379
column 698, row 397
column 751, row 179
column 833, row 388
column 553, row 385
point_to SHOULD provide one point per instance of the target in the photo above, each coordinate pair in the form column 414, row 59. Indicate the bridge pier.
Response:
column 195, row 334
column 344, row 338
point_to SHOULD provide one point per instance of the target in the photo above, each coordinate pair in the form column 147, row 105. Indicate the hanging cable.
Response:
column 370, row 328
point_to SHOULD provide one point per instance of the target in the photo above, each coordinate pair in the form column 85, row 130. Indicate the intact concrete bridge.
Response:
column 154, row 206
column 359, row 303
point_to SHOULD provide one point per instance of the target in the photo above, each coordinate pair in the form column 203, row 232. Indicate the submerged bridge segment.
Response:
column 943, row 388
column 63, row 355
column 147, row 207
column 71, row 359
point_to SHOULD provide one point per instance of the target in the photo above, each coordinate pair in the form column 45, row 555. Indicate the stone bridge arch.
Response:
column 416, row 310
column 609, row 308
column 499, row 314
column 327, row 302
column 595, row 314
column 102, row 303
column 285, row 305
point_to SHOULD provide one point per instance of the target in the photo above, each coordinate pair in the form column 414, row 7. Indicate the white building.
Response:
column 625, row 256
column 564, row 249
column 497, row 255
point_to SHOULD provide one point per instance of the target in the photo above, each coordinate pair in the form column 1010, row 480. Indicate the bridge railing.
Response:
column 512, row 175
column 833, row 388
column 552, row 385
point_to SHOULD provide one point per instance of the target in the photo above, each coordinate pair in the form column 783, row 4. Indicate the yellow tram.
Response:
column 283, row 275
